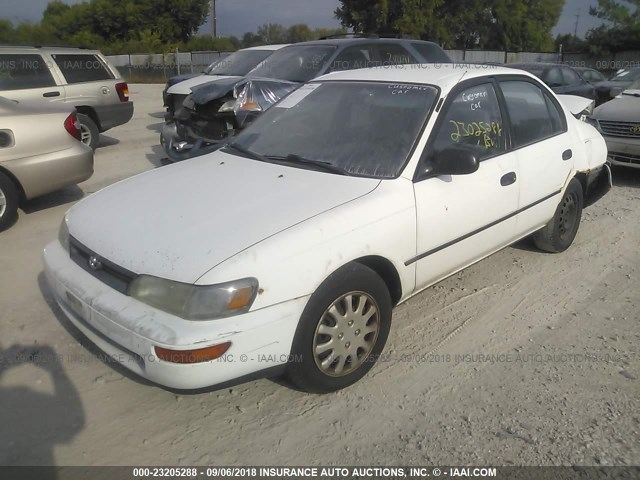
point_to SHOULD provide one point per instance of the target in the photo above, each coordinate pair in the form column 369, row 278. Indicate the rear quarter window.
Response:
column 24, row 71
column 79, row 68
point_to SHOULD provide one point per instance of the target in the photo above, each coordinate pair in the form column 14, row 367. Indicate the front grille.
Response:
column 108, row 272
column 620, row 129
column 625, row 158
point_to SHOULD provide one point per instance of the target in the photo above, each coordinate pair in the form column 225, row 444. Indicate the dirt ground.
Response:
column 525, row 358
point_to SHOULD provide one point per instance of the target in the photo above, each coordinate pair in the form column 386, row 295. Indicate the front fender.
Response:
column 293, row 263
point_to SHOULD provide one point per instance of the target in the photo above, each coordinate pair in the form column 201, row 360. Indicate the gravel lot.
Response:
column 523, row 359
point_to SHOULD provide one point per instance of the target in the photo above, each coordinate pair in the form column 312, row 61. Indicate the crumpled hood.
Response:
column 621, row 109
column 179, row 221
column 266, row 90
column 186, row 87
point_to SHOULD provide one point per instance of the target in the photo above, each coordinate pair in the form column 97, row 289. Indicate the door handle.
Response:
column 51, row 94
column 508, row 179
column 567, row 154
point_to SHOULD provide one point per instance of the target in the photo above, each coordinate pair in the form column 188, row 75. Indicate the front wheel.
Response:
column 342, row 331
column 560, row 232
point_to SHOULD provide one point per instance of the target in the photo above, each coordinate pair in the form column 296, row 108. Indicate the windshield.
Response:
column 357, row 128
column 627, row 76
column 240, row 63
column 294, row 64
column 634, row 86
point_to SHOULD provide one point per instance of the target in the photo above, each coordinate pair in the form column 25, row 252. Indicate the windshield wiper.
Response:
column 322, row 165
column 247, row 152
column 631, row 94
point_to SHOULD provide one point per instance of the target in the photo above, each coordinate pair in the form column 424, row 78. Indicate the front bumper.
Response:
column 128, row 330
column 623, row 152
column 599, row 182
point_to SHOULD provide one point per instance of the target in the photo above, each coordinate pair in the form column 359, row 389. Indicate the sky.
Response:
column 235, row 17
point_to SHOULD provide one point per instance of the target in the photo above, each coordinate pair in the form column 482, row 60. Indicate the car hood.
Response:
column 180, row 221
column 608, row 85
column 625, row 108
column 184, row 87
column 269, row 90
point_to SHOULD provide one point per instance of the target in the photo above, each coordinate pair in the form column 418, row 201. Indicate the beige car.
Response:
column 40, row 152
column 83, row 79
column 619, row 122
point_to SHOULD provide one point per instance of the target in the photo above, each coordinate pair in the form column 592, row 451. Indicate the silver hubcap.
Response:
column 346, row 334
column 85, row 134
column 3, row 203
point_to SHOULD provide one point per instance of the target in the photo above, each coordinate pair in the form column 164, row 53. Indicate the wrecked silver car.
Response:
column 214, row 112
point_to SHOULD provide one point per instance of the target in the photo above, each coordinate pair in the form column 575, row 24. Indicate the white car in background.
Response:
column 287, row 249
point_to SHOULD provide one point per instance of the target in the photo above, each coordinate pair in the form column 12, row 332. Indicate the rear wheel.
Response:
column 560, row 232
column 342, row 331
column 89, row 133
column 8, row 202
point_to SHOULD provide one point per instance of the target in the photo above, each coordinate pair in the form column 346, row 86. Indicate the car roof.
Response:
column 272, row 48
column 51, row 49
column 359, row 40
column 444, row 75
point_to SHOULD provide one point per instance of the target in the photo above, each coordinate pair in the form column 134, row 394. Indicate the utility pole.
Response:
column 575, row 32
column 214, row 20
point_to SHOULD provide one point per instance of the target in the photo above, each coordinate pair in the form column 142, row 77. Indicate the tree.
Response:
column 299, row 33
column 499, row 24
column 272, row 33
column 623, row 30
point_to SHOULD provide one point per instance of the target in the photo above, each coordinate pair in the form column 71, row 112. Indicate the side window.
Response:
column 431, row 52
column 82, row 68
column 532, row 114
column 394, row 54
column 570, row 77
column 554, row 77
column 473, row 120
column 22, row 71
column 352, row 58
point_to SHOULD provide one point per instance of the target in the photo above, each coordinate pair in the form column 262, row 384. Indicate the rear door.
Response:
column 27, row 77
column 542, row 144
column 88, row 80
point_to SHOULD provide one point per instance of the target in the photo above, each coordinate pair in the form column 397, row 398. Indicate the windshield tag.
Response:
column 298, row 95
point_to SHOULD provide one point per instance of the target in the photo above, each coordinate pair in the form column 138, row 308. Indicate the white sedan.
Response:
column 287, row 249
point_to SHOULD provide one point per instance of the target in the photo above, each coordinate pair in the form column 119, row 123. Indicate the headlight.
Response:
column 63, row 234
column 195, row 302
column 227, row 106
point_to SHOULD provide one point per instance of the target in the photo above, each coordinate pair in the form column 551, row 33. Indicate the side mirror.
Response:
column 455, row 161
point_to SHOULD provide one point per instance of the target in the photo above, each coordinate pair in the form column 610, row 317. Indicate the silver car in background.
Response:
column 40, row 152
column 619, row 122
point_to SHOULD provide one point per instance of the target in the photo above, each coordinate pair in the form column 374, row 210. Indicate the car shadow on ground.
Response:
column 106, row 141
column 158, row 114
column 158, row 157
column 156, row 127
column 626, row 177
column 55, row 199
column 87, row 344
column 34, row 422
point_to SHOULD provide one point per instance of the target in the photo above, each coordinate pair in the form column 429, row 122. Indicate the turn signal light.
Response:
column 192, row 356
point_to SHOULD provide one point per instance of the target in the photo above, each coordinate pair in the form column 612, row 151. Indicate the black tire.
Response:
column 368, row 334
column 9, row 200
column 89, row 131
column 560, row 232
